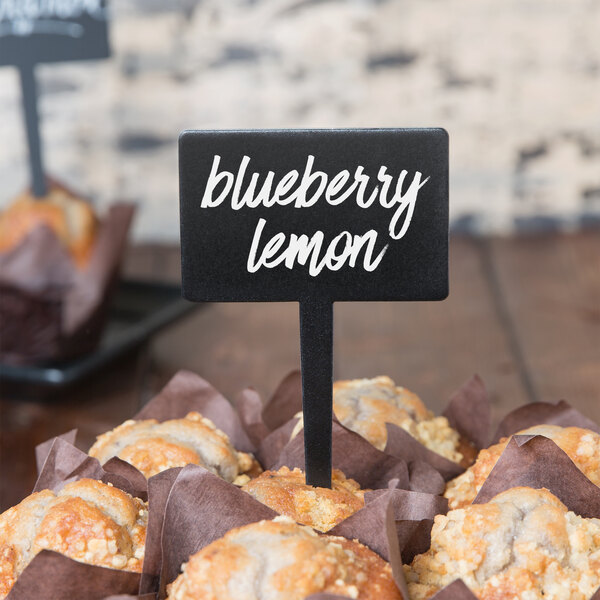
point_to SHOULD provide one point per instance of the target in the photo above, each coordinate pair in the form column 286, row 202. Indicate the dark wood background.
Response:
column 523, row 312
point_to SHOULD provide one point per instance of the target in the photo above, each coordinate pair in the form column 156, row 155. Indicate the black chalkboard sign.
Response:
column 45, row 31
column 314, row 216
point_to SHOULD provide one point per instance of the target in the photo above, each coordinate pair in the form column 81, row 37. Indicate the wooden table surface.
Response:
column 523, row 312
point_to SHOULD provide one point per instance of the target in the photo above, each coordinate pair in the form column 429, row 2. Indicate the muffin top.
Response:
column 581, row 445
column 153, row 447
column 89, row 521
column 366, row 405
column 280, row 560
column 524, row 543
column 71, row 219
column 287, row 493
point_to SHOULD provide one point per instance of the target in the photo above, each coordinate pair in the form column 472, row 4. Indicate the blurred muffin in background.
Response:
column 59, row 264
column 71, row 218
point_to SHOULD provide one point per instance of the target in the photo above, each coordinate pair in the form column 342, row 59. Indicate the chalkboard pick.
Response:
column 315, row 217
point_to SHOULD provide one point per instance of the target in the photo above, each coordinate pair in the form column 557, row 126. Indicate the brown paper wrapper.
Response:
column 273, row 444
column 455, row 591
column 413, row 514
column 248, row 405
column 65, row 463
column 159, row 488
column 201, row 508
column 542, row 413
column 68, row 463
column 403, row 445
column 52, row 576
column 469, row 412
column 42, row 450
column 285, row 402
column 537, row 462
column 51, row 310
column 188, row 392
column 361, row 461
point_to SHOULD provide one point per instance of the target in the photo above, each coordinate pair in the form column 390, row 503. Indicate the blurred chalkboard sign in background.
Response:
column 38, row 31
column 35, row 32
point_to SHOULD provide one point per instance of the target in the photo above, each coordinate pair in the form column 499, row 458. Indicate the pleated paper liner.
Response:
column 51, row 310
column 64, row 463
column 187, row 392
column 542, row 413
column 53, row 576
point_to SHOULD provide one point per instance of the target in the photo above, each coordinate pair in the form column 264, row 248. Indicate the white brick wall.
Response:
column 516, row 83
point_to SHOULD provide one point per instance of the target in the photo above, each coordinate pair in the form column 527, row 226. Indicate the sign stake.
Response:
column 316, row 350
column 32, row 125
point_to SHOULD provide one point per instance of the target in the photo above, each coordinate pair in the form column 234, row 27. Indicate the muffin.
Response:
column 287, row 493
column 88, row 521
column 581, row 445
column 366, row 405
column 153, row 447
column 280, row 560
column 71, row 219
column 524, row 543
column 59, row 266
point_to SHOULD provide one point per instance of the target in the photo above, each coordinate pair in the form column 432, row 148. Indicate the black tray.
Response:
column 139, row 309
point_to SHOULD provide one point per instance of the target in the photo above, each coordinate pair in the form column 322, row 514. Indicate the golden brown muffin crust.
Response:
column 88, row 520
column 153, row 447
column 71, row 218
column 581, row 445
column 287, row 493
column 366, row 405
column 522, row 544
column 280, row 560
